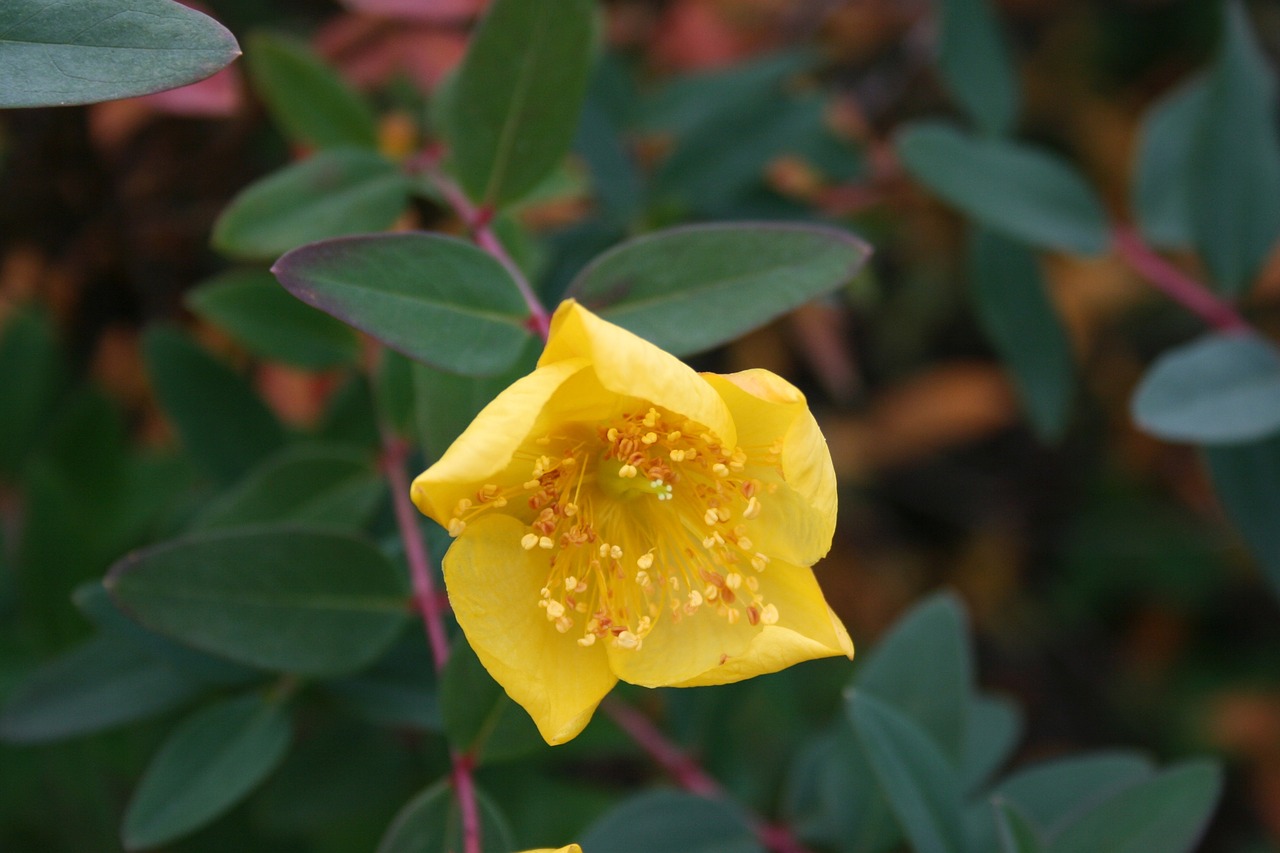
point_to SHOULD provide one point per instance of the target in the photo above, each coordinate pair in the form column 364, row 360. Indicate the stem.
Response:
column 690, row 775
column 1176, row 284
column 477, row 221
column 394, row 452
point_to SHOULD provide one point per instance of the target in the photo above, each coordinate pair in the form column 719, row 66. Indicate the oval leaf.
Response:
column 292, row 599
column 693, row 288
column 1161, row 189
column 1017, row 833
column 106, row 682
column 1247, row 479
column 479, row 718
column 921, row 785
column 973, row 57
column 307, row 98
column 1220, row 389
column 514, row 108
column 1051, row 792
column 209, row 763
column 430, row 823
column 1015, row 189
column 83, row 51
column 337, row 192
column 1012, row 301
column 257, row 312
column 671, row 820
column 436, row 299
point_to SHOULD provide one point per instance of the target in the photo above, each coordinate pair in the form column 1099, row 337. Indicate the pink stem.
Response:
column 688, row 774
column 476, row 220
column 427, row 601
column 1176, row 284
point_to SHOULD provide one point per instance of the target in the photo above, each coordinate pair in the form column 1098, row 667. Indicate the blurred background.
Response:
column 1108, row 595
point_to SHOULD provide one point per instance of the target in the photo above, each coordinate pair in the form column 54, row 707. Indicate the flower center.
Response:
column 646, row 518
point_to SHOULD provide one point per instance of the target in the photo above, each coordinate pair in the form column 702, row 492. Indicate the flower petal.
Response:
column 493, row 586
column 489, row 443
column 807, row 629
column 629, row 365
column 796, row 522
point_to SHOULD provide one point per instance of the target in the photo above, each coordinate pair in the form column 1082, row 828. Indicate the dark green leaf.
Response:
column 209, row 763
column 1016, row 832
column 222, row 423
column 514, row 107
column 833, row 798
column 1012, row 303
column 307, row 98
column 689, row 289
column 31, row 367
column 334, row 193
column 103, row 683
column 93, row 600
column 446, row 403
column 1161, row 193
column 976, row 66
column 671, row 820
column 924, row 670
column 1020, row 191
column 294, row 599
column 394, row 392
column 399, row 691
column 1167, row 813
column 83, row 51
column 1247, row 479
column 436, row 299
column 993, row 727
column 263, row 317
column 1235, row 159
column 1218, row 389
column 430, row 823
column 920, row 783
column 1052, row 792
column 328, row 485
column 479, row 718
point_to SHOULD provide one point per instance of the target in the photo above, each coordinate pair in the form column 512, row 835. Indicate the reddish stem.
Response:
column 477, row 221
column 1176, row 284
column 394, row 453
column 690, row 775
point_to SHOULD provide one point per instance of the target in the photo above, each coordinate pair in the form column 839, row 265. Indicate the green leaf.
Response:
column 921, row 785
column 397, row 692
column 1011, row 299
column 514, row 107
column 223, row 425
column 1218, row 389
column 266, row 320
column 1167, row 813
column 671, row 820
column 1247, row 479
column 430, row 823
column 445, row 404
column 1162, row 186
column 1052, row 792
column 327, row 485
column 1020, row 191
column 479, row 718
column 924, row 670
column 294, row 599
column 334, row 193
column 435, row 299
column 103, row 683
column 976, row 66
column 206, row 766
column 84, row 51
column 1235, row 160
column 692, row 288
column 32, row 368
column 309, row 101
column 993, row 727
column 1016, row 832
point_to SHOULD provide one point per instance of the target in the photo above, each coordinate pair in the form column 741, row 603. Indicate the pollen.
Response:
column 456, row 526
column 645, row 561
column 529, row 541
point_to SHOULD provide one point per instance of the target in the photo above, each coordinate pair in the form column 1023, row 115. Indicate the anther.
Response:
column 456, row 526
column 753, row 508
column 769, row 615
column 529, row 541
column 645, row 561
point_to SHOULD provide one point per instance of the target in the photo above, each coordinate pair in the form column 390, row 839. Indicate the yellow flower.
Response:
column 572, row 848
column 619, row 516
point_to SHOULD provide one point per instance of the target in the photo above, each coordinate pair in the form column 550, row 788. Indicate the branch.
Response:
column 477, row 221
column 690, row 775
column 1176, row 284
